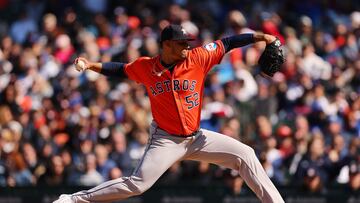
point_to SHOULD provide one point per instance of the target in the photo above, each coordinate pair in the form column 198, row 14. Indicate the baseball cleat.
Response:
column 64, row 199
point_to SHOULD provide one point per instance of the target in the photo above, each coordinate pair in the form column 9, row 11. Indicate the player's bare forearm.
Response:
column 83, row 64
column 260, row 37
column 95, row 67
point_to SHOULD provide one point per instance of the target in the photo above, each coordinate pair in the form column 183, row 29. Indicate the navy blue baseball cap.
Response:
column 174, row 32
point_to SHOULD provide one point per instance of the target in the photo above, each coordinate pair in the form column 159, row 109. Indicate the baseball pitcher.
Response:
column 174, row 81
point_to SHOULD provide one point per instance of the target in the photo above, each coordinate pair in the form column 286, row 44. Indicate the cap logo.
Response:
column 211, row 46
column 277, row 43
column 183, row 31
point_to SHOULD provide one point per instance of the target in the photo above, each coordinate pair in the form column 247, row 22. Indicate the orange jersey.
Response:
column 176, row 96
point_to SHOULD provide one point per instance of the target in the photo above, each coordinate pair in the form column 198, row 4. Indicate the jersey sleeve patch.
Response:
column 211, row 46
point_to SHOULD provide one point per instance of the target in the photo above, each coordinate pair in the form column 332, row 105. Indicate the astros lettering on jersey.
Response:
column 175, row 96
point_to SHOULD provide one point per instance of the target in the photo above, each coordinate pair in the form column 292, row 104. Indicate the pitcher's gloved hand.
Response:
column 272, row 58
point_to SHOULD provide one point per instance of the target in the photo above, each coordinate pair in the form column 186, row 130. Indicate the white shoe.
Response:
column 64, row 199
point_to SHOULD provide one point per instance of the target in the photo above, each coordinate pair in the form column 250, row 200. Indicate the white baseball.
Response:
column 80, row 65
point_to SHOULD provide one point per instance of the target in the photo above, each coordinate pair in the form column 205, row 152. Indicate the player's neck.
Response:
column 167, row 60
column 166, row 65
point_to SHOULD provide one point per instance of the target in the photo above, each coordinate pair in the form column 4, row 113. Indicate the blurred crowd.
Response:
column 61, row 127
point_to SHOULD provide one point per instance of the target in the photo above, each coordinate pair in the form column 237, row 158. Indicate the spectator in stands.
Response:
column 115, row 173
column 314, row 166
column 103, row 164
column 3, row 168
column 137, row 147
column 119, row 152
column 90, row 177
column 31, row 158
column 312, row 181
column 233, row 182
column 272, row 160
column 18, row 173
column 354, row 176
column 55, row 174
column 23, row 27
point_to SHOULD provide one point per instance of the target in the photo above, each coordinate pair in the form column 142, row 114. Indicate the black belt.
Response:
column 190, row 135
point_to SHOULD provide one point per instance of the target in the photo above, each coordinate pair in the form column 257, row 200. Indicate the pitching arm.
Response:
column 114, row 69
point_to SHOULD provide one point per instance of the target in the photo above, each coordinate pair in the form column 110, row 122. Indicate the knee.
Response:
column 250, row 152
column 138, row 190
column 248, row 155
column 138, row 187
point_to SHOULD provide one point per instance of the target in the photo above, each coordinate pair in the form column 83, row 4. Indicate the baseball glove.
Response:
column 272, row 58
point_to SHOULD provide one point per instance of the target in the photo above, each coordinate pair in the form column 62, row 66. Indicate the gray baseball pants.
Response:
column 163, row 150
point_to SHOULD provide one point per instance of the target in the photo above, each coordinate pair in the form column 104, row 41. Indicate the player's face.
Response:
column 179, row 49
